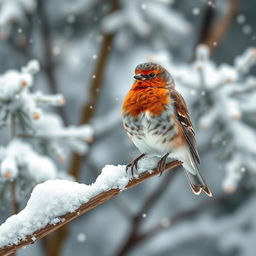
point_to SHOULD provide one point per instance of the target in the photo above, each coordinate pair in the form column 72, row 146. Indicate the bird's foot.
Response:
column 134, row 164
column 161, row 164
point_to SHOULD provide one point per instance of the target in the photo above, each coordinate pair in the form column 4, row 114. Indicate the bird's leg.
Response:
column 161, row 164
column 134, row 164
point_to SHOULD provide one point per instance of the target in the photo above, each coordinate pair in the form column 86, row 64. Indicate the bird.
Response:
column 156, row 119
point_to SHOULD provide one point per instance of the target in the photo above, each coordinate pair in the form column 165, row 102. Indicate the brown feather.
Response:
column 196, row 181
column 187, row 128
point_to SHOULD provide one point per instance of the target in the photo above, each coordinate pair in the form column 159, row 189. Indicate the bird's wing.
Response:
column 187, row 128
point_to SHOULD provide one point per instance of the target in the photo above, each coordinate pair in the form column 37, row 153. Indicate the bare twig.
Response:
column 206, row 23
column 92, row 203
column 15, row 205
column 221, row 26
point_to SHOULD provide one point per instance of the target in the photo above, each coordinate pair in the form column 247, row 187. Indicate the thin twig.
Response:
column 50, row 136
column 92, row 203
column 15, row 204
column 13, row 125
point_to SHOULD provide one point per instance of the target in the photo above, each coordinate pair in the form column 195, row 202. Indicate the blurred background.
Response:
column 87, row 51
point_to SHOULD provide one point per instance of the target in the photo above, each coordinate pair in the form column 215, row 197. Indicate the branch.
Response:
column 119, row 203
column 96, row 84
column 92, row 203
column 59, row 237
column 207, row 20
column 221, row 26
column 15, row 204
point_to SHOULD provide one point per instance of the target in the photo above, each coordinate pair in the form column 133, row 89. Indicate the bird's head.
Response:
column 152, row 75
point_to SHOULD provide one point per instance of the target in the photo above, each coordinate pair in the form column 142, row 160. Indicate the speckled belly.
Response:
column 151, row 134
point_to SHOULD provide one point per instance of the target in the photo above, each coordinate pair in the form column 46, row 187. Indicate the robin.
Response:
column 156, row 119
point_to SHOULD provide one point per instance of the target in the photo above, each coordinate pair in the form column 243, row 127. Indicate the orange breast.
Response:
column 139, row 100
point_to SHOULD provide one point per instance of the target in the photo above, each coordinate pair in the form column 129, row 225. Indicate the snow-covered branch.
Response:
column 56, row 202
column 222, row 99
column 21, row 111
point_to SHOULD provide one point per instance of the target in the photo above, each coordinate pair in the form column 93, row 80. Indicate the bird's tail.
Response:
column 197, row 183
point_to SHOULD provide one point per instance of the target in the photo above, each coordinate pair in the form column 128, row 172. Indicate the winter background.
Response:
column 65, row 68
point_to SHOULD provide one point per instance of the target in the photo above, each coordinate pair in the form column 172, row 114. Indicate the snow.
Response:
column 244, row 62
column 50, row 128
column 54, row 198
column 229, row 121
column 22, row 113
column 53, row 100
column 14, row 10
column 225, row 87
column 247, row 29
column 19, row 154
column 142, row 18
column 240, row 19
column 9, row 168
column 196, row 11
column 81, row 237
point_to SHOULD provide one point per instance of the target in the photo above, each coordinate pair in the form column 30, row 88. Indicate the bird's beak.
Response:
column 139, row 77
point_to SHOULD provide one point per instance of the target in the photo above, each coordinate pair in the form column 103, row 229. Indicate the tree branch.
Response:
column 88, row 109
column 96, row 84
column 206, row 24
column 15, row 204
column 221, row 26
column 92, row 203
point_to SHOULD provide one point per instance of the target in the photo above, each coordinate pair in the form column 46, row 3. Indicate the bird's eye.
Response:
column 152, row 74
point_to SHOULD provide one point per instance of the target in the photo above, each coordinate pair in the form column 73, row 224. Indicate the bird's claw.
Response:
column 161, row 164
column 134, row 164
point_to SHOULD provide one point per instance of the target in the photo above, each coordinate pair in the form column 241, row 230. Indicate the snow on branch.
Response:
column 19, row 154
column 50, row 130
column 22, row 112
column 56, row 202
